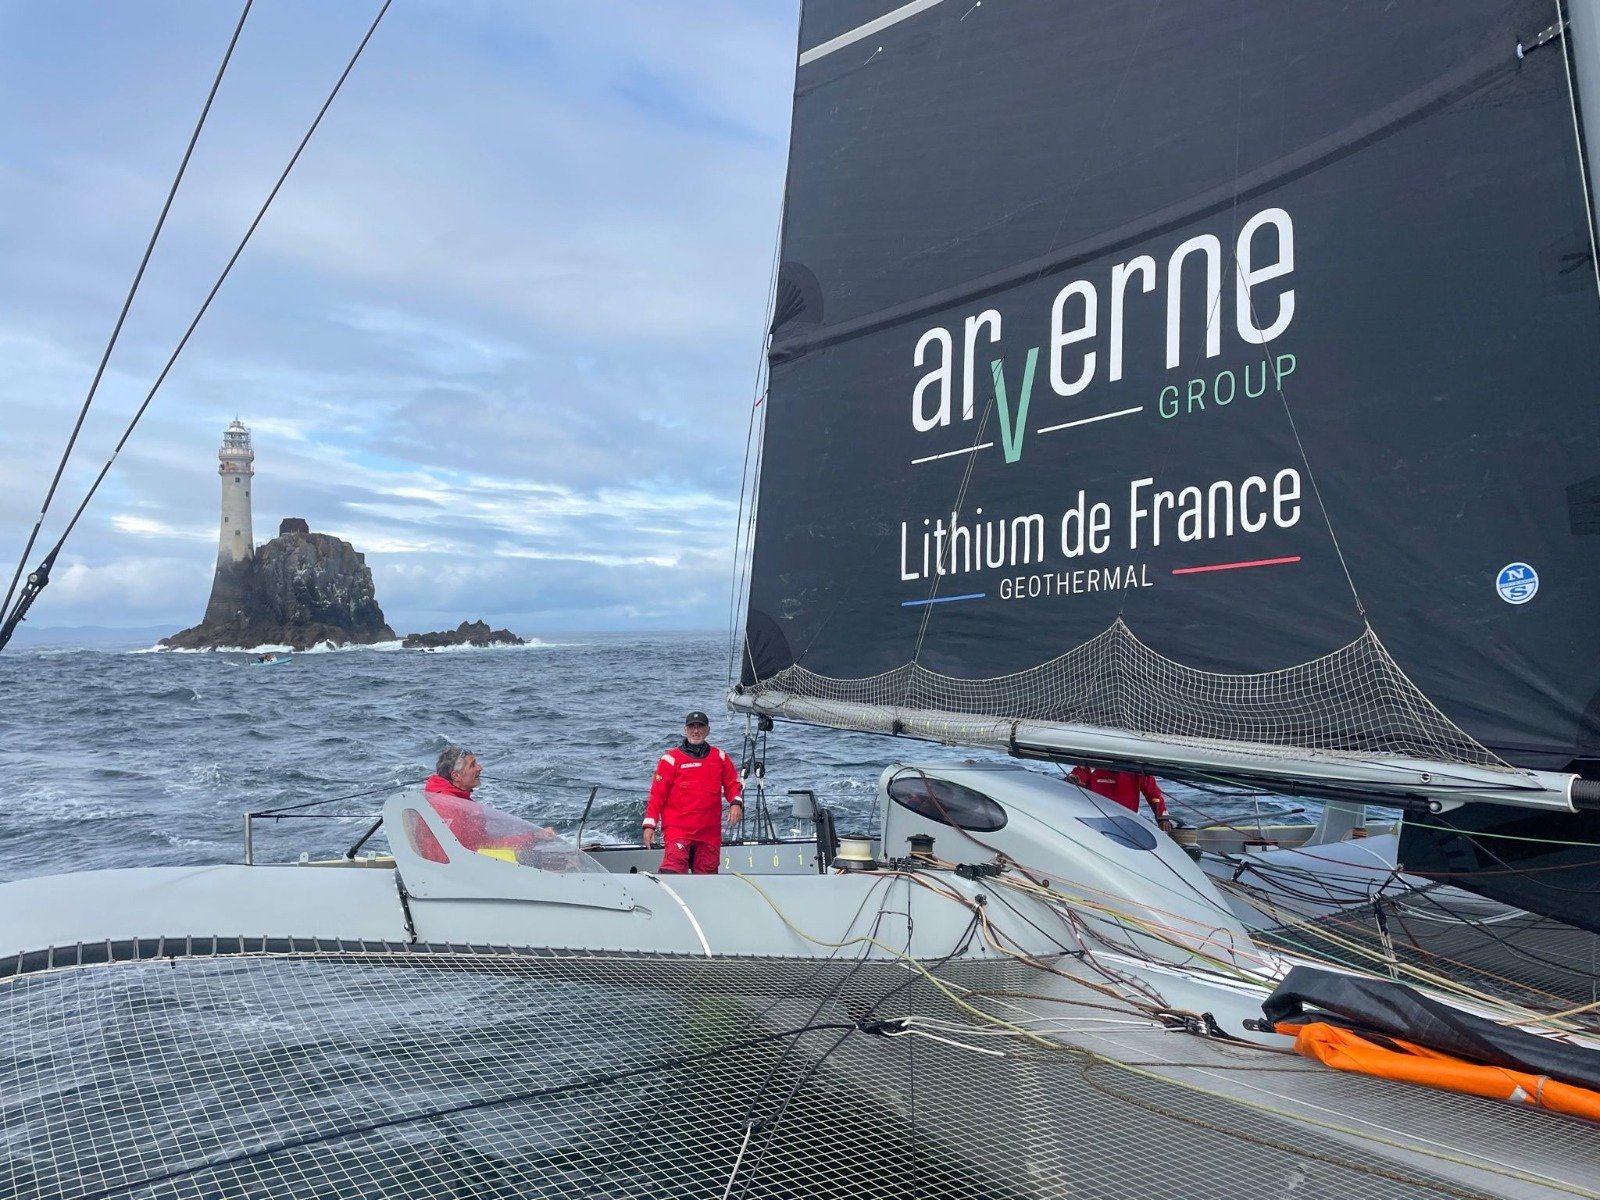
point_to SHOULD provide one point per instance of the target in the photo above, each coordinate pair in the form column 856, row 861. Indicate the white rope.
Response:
column 698, row 932
column 749, row 1129
column 907, row 1030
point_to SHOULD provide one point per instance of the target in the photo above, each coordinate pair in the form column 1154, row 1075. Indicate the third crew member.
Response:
column 1125, row 787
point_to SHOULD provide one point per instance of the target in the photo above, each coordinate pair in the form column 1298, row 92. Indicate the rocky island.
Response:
column 301, row 589
column 468, row 633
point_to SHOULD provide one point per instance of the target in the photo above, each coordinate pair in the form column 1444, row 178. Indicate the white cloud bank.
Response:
column 499, row 330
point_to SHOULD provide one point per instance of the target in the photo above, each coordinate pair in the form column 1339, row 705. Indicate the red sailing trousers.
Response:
column 691, row 856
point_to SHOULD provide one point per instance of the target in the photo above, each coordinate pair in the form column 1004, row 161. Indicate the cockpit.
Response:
column 453, row 827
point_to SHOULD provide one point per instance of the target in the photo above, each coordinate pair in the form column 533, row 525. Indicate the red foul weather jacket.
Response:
column 470, row 820
column 1125, row 787
column 686, row 794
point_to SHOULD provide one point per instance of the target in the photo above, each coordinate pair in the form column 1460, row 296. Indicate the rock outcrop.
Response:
column 300, row 589
column 468, row 633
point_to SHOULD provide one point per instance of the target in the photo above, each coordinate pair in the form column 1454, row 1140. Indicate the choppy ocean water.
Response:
column 134, row 758
column 172, row 1079
column 126, row 757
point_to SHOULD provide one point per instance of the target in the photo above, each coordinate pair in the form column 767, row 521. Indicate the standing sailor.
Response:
column 686, row 801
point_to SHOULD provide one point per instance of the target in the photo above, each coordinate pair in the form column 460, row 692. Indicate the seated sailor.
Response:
column 475, row 825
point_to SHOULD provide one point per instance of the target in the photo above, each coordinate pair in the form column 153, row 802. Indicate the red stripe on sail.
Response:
column 1260, row 562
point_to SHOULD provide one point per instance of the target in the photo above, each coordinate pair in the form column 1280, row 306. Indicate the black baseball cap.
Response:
column 697, row 718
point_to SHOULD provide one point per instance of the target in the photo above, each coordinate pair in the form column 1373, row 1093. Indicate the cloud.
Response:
column 499, row 329
column 129, row 591
column 137, row 526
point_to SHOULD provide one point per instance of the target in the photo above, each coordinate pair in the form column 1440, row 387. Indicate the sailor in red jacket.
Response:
column 474, row 824
column 686, row 801
column 1125, row 787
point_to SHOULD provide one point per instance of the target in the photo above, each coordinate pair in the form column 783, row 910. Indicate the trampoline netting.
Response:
column 513, row 1075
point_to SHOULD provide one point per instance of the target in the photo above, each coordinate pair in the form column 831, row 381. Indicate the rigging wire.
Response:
column 1283, row 401
column 1436, row 971
column 1446, row 978
column 116, row 331
column 1512, row 948
column 372, row 791
column 743, row 536
column 977, row 440
column 1092, row 1058
column 749, row 1129
column 999, row 1026
column 998, row 369
column 749, row 582
column 40, row 577
column 754, row 1123
column 1301, row 930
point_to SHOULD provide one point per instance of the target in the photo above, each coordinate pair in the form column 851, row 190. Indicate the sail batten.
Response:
column 1215, row 375
column 866, row 29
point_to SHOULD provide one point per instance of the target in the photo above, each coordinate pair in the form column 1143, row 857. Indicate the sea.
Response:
column 131, row 756
column 435, row 1075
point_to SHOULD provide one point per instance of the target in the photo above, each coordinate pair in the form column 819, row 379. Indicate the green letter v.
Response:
column 1011, row 434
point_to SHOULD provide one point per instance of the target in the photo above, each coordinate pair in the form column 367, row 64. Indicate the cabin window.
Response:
column 947, row 803
column 1124, row 831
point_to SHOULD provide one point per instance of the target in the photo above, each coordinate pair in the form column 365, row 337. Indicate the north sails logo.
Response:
column 1517, row 583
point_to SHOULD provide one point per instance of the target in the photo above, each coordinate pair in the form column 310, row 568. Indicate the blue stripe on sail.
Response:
column 943, row 599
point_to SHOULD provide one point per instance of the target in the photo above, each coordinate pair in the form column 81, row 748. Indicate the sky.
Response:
column 500, row 330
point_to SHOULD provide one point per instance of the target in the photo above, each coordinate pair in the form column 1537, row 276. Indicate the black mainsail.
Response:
column 1211, row 386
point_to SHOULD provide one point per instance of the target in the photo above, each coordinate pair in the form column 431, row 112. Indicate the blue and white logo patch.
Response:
column 1517, row 583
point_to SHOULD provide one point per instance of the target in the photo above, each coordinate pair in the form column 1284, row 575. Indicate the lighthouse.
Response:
column 298, row 589
column 236, row 547
column 234, row 465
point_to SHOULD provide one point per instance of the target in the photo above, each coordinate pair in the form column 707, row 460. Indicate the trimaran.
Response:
column 1206, row 388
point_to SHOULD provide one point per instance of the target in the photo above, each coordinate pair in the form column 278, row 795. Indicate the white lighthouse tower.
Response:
column 235, row 543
